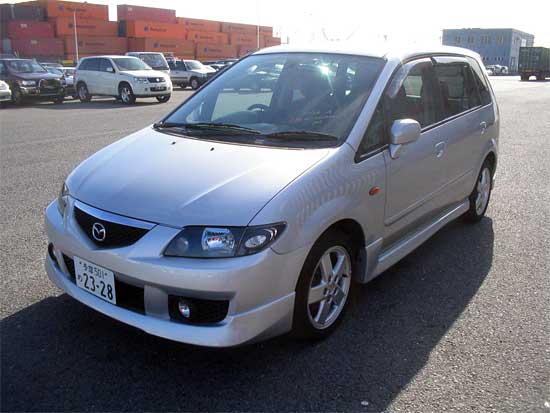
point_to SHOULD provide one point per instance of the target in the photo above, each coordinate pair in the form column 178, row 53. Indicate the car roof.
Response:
column 402, row 52
column 106, row 56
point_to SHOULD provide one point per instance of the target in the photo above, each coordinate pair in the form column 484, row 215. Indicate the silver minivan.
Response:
column 256, row 206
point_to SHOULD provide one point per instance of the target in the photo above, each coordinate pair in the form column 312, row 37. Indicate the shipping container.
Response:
column 271, row 41
column 216, row 51
column 534, row 61
column 208, row 37
column 64, row 26
column 128, row 12
column 37, row 47
column 239, row 28
column 21, row 12
column 25, row 29
column 199, row 25
column 266, row 31
column 246, row 50
column 96, row 45
column 239, row 39
column 153, row 30
column 176, row 46
column 55, row 8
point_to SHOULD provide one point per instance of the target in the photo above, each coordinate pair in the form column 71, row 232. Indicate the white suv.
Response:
column 123, row 77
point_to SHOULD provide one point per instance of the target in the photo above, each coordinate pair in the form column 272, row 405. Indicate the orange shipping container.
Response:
column 239, row 28
column 177, row 46
column 64, row 26
column 245, row 50
column 216, row 51
column 271, row 41
column 199, row 25
column 153, row 30
column 239, row 39
column 266, row 31
column 96, row 45
column 55, row 8
column 208, row 37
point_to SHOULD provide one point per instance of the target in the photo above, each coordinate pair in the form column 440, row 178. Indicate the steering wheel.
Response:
column 260, row 106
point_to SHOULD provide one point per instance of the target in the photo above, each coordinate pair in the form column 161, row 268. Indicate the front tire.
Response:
column 324, row 286
column 195, row 84
column 126, row 94
column 481, row 194
column 163, row 99
column 59, row 100
column 17, row 97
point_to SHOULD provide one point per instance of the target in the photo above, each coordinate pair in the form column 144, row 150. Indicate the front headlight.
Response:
column 3, row 86
column 63, row 199
column 27, row 82
column 216, row 242
column 141, row 79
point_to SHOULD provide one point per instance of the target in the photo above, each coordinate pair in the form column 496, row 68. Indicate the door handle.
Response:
column 483, row 127
column 440, row 149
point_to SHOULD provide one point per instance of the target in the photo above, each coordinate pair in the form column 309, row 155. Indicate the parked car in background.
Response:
column 68, row 75
column 155, row 60
column 28, row 80
column 5, row 93
column 498, row 70
column 124, row 77
column 219, row 64
column 50, row 64
column 189, row 73
column 240, row 216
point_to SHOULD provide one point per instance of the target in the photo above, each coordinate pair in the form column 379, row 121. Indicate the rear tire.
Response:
column 481, row 194
column 126, row 94
column 83, row 93
column 324, row 287
column 163, row 99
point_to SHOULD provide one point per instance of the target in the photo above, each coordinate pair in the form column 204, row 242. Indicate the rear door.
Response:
column 107, row 79
column 89, row 74
column 464, row 121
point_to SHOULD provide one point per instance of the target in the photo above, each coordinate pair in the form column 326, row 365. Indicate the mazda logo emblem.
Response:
column 99, row 233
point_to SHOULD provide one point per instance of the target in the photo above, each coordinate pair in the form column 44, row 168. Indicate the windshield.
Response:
column 298, row 97
column 155, row 60
column 130, row 64
column 194, row 65
column 25, row 66
column 54, row 70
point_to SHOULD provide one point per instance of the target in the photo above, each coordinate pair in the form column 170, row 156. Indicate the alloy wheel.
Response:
column 483, row 190
column 329, row 287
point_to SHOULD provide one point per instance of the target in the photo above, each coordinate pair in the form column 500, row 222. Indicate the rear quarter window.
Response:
column 480, row 81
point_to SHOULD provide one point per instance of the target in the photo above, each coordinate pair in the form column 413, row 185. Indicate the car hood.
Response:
column 36, row 76
column 178, row 181
column 143, row 73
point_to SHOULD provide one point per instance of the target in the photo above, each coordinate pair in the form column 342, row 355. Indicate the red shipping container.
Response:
column 64, row 26
column 199, row 25
column 153, row 30
column 55, row 8
column 96, row 45
column 127, row 12
column 246, row 50
column 271, row 41
column 208, row 37
column 239, row 28
column 25, row 29
column 177, row 46
column 244, row 39
column 38, row 47
column 266, row 31
column 216, row 51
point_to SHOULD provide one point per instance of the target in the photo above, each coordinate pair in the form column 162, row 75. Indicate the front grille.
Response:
column 128, row 296
column 49, row 84
column 116, row 235
column 155, row 79
column 203, row 311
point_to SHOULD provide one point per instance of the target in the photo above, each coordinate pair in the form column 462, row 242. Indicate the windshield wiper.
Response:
column 302, row 135
column 205, row 126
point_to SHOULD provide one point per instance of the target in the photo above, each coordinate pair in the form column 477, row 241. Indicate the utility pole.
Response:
column 75, row 36
column 257, row 24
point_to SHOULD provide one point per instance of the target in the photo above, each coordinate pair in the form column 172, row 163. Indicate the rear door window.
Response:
column 104, row 64
column 89, row 64
column 457, row 87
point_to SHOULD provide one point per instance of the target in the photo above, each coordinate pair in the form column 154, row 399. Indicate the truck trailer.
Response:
column 534, row 61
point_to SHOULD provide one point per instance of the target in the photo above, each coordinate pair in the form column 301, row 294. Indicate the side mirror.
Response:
column 110, row 70
column 403, row 131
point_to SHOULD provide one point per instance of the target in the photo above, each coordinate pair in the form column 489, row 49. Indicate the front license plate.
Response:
column 95, row 279
column 158, row 88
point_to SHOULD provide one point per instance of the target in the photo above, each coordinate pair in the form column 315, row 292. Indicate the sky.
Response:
column 312, row 21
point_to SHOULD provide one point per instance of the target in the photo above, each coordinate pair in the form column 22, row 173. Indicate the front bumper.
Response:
column 38, row 93
column 5, row 95
column 147, row 89
column 260, row 288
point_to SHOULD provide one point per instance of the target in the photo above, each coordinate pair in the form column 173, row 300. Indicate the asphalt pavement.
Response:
column 461, row 324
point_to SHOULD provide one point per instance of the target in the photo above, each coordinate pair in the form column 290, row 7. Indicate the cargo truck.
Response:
column 534, row 61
